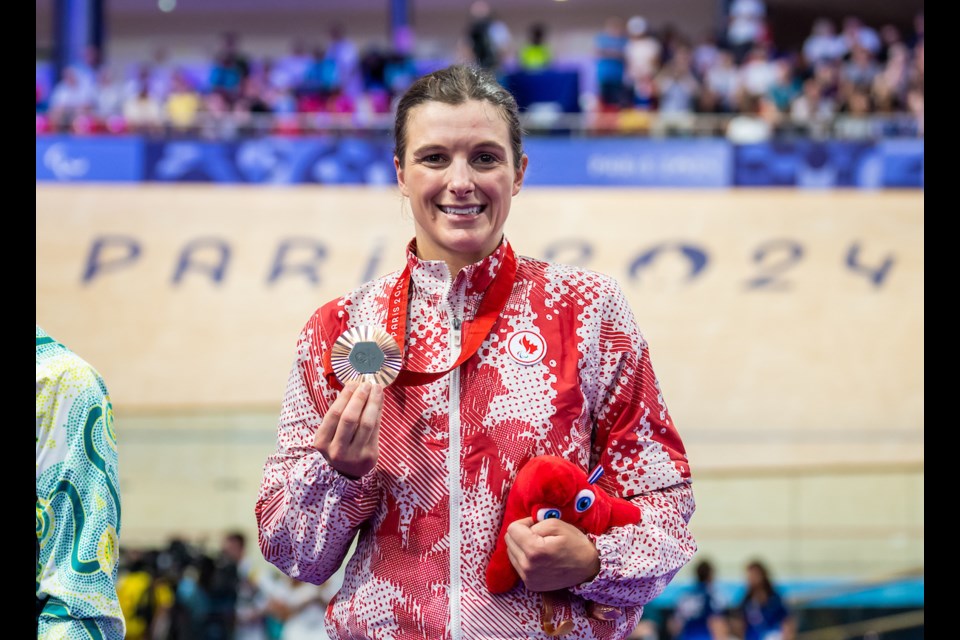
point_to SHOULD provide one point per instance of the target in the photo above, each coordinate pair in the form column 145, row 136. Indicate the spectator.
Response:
column 746, row 27
column 677, row 91
column 755, row 122
column 861, row 68
column 829, row 75
column 319, row 81
column 705, row 53
column 723, row 80
column 763, row 615
column 135, row 592
column 194, row 601
column 69, row 98
column 488, row 37
column 757, row 73
column 159, row 73
column 143, row 113
column 289, row 70
column 786, row 85
column 254, row 587
column 890, row 36
column 302, row 607
column 917, row 36
column 610, row 64
column 811, row 111
column 890, row 84
column 915, row 106
column 250, row 108
column 215, row 119
column 183, row 103
column 641, row 52
column 854, row 120
column 855, row 33
column 110, row 95
column 535, row 54
column 229, row 69
column 701, row 612
column 342, row 54
column 88, row 66
column 823, row 43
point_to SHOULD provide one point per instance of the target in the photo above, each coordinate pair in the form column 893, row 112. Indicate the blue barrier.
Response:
column 614, row 162
column 819, row 594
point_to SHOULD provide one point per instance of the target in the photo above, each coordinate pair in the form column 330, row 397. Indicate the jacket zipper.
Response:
column 453, row 483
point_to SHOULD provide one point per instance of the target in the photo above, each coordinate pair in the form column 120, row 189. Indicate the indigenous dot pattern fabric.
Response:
column 78, row 499
column 592, row 398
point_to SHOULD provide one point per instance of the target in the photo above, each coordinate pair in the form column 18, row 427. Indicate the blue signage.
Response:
column 65, row 158
column 629, row 162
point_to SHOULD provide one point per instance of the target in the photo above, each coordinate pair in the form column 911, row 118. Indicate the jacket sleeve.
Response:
column 78, row 506
column 644, row 461
column 307, row 513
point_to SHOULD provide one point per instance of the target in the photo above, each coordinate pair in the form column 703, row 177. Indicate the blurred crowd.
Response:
column 186, row 592
column 849, row 79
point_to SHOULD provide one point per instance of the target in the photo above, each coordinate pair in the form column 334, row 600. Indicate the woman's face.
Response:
column 460, row 178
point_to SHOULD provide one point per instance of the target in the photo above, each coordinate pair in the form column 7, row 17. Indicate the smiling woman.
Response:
column 503, row 358
column 460, row 179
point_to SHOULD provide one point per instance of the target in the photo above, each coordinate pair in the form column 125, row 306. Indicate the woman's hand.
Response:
column 349, row 434
column 551, row 554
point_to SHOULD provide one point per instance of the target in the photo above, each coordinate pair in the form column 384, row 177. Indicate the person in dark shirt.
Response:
column 763, row 614
column 701, row 612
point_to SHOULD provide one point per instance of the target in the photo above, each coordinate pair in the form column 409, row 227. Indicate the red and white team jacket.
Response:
column 564, row 371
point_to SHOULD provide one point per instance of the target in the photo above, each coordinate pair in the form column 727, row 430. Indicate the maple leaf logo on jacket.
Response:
column 526, row 347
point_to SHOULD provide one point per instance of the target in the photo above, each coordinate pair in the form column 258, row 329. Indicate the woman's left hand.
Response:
column 551, row 554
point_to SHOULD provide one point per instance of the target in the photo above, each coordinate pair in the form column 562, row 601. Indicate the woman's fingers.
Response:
column 348, row 435
column 368, row 430
column 350, row 418
column 331, row 419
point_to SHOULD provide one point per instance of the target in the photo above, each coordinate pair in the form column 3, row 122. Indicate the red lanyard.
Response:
column 492, row 304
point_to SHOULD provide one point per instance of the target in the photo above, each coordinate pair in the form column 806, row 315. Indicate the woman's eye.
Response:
column 546, row 513
column 584, row 499
column 487, row 158
column 432, row 158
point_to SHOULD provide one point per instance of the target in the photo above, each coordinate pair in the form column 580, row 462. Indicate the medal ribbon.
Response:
column 492, row 304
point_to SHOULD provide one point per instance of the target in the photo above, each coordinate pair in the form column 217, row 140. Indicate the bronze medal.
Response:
column 366, row 354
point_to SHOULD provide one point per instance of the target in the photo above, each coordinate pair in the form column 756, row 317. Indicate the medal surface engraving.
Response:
column 366, row 354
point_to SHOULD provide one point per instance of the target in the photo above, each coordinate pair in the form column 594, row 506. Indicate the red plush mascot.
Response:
column 551, row 487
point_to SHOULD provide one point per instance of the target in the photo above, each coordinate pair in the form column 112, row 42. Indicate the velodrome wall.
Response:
column 786, row 327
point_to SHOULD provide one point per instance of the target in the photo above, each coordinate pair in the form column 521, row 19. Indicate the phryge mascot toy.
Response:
column 549, row 486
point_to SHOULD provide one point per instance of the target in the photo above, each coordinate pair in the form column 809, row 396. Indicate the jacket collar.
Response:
column 433, row 276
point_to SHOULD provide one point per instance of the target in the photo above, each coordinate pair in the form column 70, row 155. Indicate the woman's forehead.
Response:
column 473, row 118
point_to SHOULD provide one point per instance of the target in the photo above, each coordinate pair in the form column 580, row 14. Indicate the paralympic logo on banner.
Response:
column 62, row 165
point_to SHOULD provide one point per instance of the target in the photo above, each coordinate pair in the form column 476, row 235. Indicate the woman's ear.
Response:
column 521, row 171
column 400, row 181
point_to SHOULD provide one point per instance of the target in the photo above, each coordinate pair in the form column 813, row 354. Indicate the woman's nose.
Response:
column 460, row 178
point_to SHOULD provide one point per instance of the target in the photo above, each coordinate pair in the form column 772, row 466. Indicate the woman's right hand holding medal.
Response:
column 349, row 434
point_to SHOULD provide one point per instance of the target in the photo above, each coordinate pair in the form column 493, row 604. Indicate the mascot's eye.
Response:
column 584, row 500
column 546, row 513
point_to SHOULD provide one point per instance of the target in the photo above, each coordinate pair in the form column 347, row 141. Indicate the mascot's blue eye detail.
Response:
column 546, row 513
column 584, row 500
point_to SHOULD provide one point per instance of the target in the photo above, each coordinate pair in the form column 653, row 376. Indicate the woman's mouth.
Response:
column 471, row 210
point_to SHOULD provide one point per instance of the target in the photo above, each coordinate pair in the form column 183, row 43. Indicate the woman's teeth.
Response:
column 461, row 211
